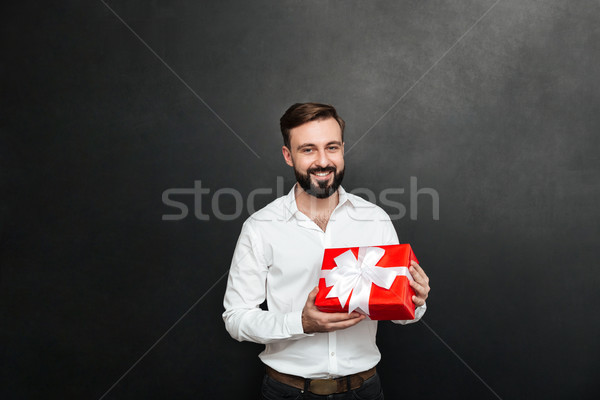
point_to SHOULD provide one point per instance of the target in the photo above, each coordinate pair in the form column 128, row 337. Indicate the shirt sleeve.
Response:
column 390, row 237
column 246, row 290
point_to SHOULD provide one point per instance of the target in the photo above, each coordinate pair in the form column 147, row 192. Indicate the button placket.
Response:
column 333, row 365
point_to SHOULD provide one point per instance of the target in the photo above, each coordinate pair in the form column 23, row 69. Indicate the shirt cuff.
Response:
column 419, row 312
column 293, row 322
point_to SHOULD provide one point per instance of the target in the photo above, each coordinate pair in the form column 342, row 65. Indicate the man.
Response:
column 309, row 354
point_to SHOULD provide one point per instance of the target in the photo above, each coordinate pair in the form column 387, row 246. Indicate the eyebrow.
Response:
column 336, row 142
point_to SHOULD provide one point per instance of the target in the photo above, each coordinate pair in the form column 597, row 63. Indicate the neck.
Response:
column 312, row 206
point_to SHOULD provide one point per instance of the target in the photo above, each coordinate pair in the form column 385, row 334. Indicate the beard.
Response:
column 321, row 190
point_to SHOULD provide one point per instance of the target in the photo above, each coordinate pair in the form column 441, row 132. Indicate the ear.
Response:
column 343, row 149
column 287, row 155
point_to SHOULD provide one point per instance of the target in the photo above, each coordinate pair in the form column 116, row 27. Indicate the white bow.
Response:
column 355, row 275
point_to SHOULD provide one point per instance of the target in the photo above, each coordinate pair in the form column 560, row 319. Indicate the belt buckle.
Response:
column 323, row 386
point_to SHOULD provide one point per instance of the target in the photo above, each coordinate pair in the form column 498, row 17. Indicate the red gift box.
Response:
column 358, row 277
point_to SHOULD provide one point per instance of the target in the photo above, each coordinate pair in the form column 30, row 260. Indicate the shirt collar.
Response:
column 291, row 208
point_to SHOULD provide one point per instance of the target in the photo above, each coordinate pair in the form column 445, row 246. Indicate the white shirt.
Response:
column 278, row 255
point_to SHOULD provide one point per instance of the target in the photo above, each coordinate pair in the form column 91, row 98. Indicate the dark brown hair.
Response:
column 301, row 113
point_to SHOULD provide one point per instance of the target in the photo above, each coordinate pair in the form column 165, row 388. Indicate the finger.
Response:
column 419, row 270
column 415, row 275
column 418, row 301
column 421, row 290
column 338, row 317
column 414, row 272
column 417, row 287
column 334, row 326
column 418, row 277
column 313, row 295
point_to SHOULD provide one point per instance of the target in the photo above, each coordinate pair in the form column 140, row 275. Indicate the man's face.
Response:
column 317, row 155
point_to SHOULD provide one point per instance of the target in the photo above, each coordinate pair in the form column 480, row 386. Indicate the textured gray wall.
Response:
column 494, row 104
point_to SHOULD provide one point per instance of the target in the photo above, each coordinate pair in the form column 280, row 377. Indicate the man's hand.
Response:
column 314, row 320
column 420, row 284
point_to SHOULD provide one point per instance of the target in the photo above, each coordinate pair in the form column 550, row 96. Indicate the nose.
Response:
column 323, row 160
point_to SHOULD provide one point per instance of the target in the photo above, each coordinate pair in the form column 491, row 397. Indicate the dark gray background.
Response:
column 95, row 127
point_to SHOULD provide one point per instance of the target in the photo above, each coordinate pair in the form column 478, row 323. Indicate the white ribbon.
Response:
column 355, row 275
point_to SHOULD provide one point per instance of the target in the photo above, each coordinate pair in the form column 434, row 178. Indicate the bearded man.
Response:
column 309, row 354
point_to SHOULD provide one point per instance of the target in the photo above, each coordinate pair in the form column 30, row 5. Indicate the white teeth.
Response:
column 322, row 174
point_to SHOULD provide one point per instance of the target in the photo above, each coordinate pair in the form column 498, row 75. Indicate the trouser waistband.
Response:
column 323, row 386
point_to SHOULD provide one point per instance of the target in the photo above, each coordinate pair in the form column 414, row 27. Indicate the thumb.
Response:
column 313, row 295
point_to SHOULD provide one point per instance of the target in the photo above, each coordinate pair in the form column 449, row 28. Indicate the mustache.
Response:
column 319, row 169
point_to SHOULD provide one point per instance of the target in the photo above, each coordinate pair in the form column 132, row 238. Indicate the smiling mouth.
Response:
column 322, row 175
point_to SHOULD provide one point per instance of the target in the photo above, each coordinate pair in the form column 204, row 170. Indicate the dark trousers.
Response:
column 274, row 390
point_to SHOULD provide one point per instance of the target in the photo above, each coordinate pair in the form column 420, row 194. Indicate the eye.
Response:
column 333, row 148
column 307, row 150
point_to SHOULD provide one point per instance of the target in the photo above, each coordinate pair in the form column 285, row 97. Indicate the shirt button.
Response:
column 332, row 354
